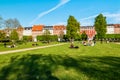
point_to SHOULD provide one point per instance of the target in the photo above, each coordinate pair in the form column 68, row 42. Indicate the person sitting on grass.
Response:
column 71, row 46
column 84, row 43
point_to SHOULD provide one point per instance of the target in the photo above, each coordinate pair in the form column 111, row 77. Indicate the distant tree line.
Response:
column 8, row 29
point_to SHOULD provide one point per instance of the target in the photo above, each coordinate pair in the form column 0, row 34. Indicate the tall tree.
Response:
column 100, row 26
column 73, row 28
column 14, row 35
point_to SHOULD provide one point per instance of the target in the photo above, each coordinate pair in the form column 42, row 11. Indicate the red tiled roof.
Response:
column 37, row 27
column 117, row 25
column 59, row 27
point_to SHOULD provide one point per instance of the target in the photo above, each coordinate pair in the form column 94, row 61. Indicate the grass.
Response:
column 22, row 46
column 100, row 62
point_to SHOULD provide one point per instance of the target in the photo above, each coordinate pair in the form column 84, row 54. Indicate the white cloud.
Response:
column 62, row 2
column 115, row 17
column 111, row 18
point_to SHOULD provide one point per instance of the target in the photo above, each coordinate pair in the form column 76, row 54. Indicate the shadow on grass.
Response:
column 41, row 67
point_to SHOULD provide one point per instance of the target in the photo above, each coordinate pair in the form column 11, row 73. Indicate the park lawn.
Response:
column 100, row 62
column 22, row 46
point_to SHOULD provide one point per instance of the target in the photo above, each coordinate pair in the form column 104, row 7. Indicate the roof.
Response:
column 37, row 27
column 48, row 26
column 27, row 27
column 59, row 27
column 117, row 25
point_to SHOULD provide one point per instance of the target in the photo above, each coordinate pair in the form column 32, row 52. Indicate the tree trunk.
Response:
column 72, row 42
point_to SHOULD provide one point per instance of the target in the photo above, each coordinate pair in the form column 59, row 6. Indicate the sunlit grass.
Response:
column 100, row 62
column 24, row 45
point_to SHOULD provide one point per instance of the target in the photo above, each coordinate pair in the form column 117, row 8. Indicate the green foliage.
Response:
column 40, row 38
column 14, row 35
column 27, row 38
column 78, row 37
column 52, row 38
column 73, row 27
column 84, row 36
column 46, row 36
column 2, row 36
column 112, row 36
column 61, row 35
column 100, row 26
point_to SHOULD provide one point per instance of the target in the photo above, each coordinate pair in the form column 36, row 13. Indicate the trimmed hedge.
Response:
column 112, row 36
column 52, row 38
column 27, row 38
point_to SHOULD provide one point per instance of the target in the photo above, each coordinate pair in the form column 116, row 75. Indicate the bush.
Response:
column 27, row 38
column 51, row 38
column 19, row 41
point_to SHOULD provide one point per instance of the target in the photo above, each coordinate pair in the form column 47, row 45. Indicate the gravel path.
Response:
column 28, row 49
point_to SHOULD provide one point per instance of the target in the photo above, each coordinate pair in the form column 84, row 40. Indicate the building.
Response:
column 37, row 30
column 89, row 30
column 59, row 29
column 113, row 29
column 27, row 31
column 50, row 28
column 110, row 29
column 20, row 32
column 116, row 28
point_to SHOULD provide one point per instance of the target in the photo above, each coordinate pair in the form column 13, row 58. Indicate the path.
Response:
column 27, row 49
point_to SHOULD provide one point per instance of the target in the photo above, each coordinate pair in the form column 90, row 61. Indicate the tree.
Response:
column 100, row 26
column 46, row 35
column 14, row 35
column 2, row 36
column 11, row 24
column 16, row 23
column 1, row 22
column 84, row 36
column 61, row 35
column 73, row 28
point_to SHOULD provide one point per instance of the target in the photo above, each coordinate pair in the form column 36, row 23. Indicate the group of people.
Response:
column 9, row 46
column 88, row 43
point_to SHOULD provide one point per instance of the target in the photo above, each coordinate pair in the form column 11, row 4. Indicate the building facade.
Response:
column 116, row 28
column 89, row 30
column 59, row 29
column 110, row 29
column 27, row 31
column 20, row 32
column 50, row 28
column 36, row 31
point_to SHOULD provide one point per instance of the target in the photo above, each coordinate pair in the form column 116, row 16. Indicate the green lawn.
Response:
column 100, row 62
column 22, row 46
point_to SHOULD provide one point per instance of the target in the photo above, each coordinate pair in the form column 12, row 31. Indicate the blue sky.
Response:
column 52, row 12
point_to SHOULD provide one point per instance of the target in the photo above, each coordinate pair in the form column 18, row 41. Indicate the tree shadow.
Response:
column 41, row 67
column 28, row 67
